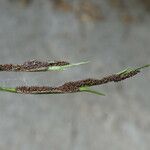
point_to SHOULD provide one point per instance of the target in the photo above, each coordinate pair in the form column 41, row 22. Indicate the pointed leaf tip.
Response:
column 87, row 89
column 145, row 66
column 61, row 68
column 128, row 70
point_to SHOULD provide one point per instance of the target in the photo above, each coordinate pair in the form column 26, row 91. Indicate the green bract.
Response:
column 59, row 68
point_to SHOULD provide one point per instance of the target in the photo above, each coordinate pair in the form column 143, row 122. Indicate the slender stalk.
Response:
column 76, row 86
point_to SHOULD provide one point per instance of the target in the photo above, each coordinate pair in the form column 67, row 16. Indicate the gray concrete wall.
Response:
column 119, row 36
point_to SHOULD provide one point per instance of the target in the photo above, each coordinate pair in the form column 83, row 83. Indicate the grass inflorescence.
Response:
column 36, row 66
column 68, row 87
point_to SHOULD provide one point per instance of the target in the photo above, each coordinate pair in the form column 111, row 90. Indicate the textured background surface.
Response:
column 112, row 35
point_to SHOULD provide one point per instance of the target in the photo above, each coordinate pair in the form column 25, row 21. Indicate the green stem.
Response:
column 7, row 89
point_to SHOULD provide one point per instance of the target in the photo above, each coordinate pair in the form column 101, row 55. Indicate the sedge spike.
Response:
column 38, row 66
column 76, row 86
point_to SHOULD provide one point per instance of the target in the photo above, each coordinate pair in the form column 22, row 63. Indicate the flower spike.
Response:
column 75, row 86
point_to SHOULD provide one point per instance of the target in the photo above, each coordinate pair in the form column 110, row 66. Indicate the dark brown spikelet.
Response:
column 35, row 65
column 32, row 65
column 74, row 86
column 10, row 67
column 59, row 63
column 37, row 90
column 69, row 87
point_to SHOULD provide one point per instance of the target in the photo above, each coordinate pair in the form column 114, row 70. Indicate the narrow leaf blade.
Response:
column 87, row 89
column 60, row 68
